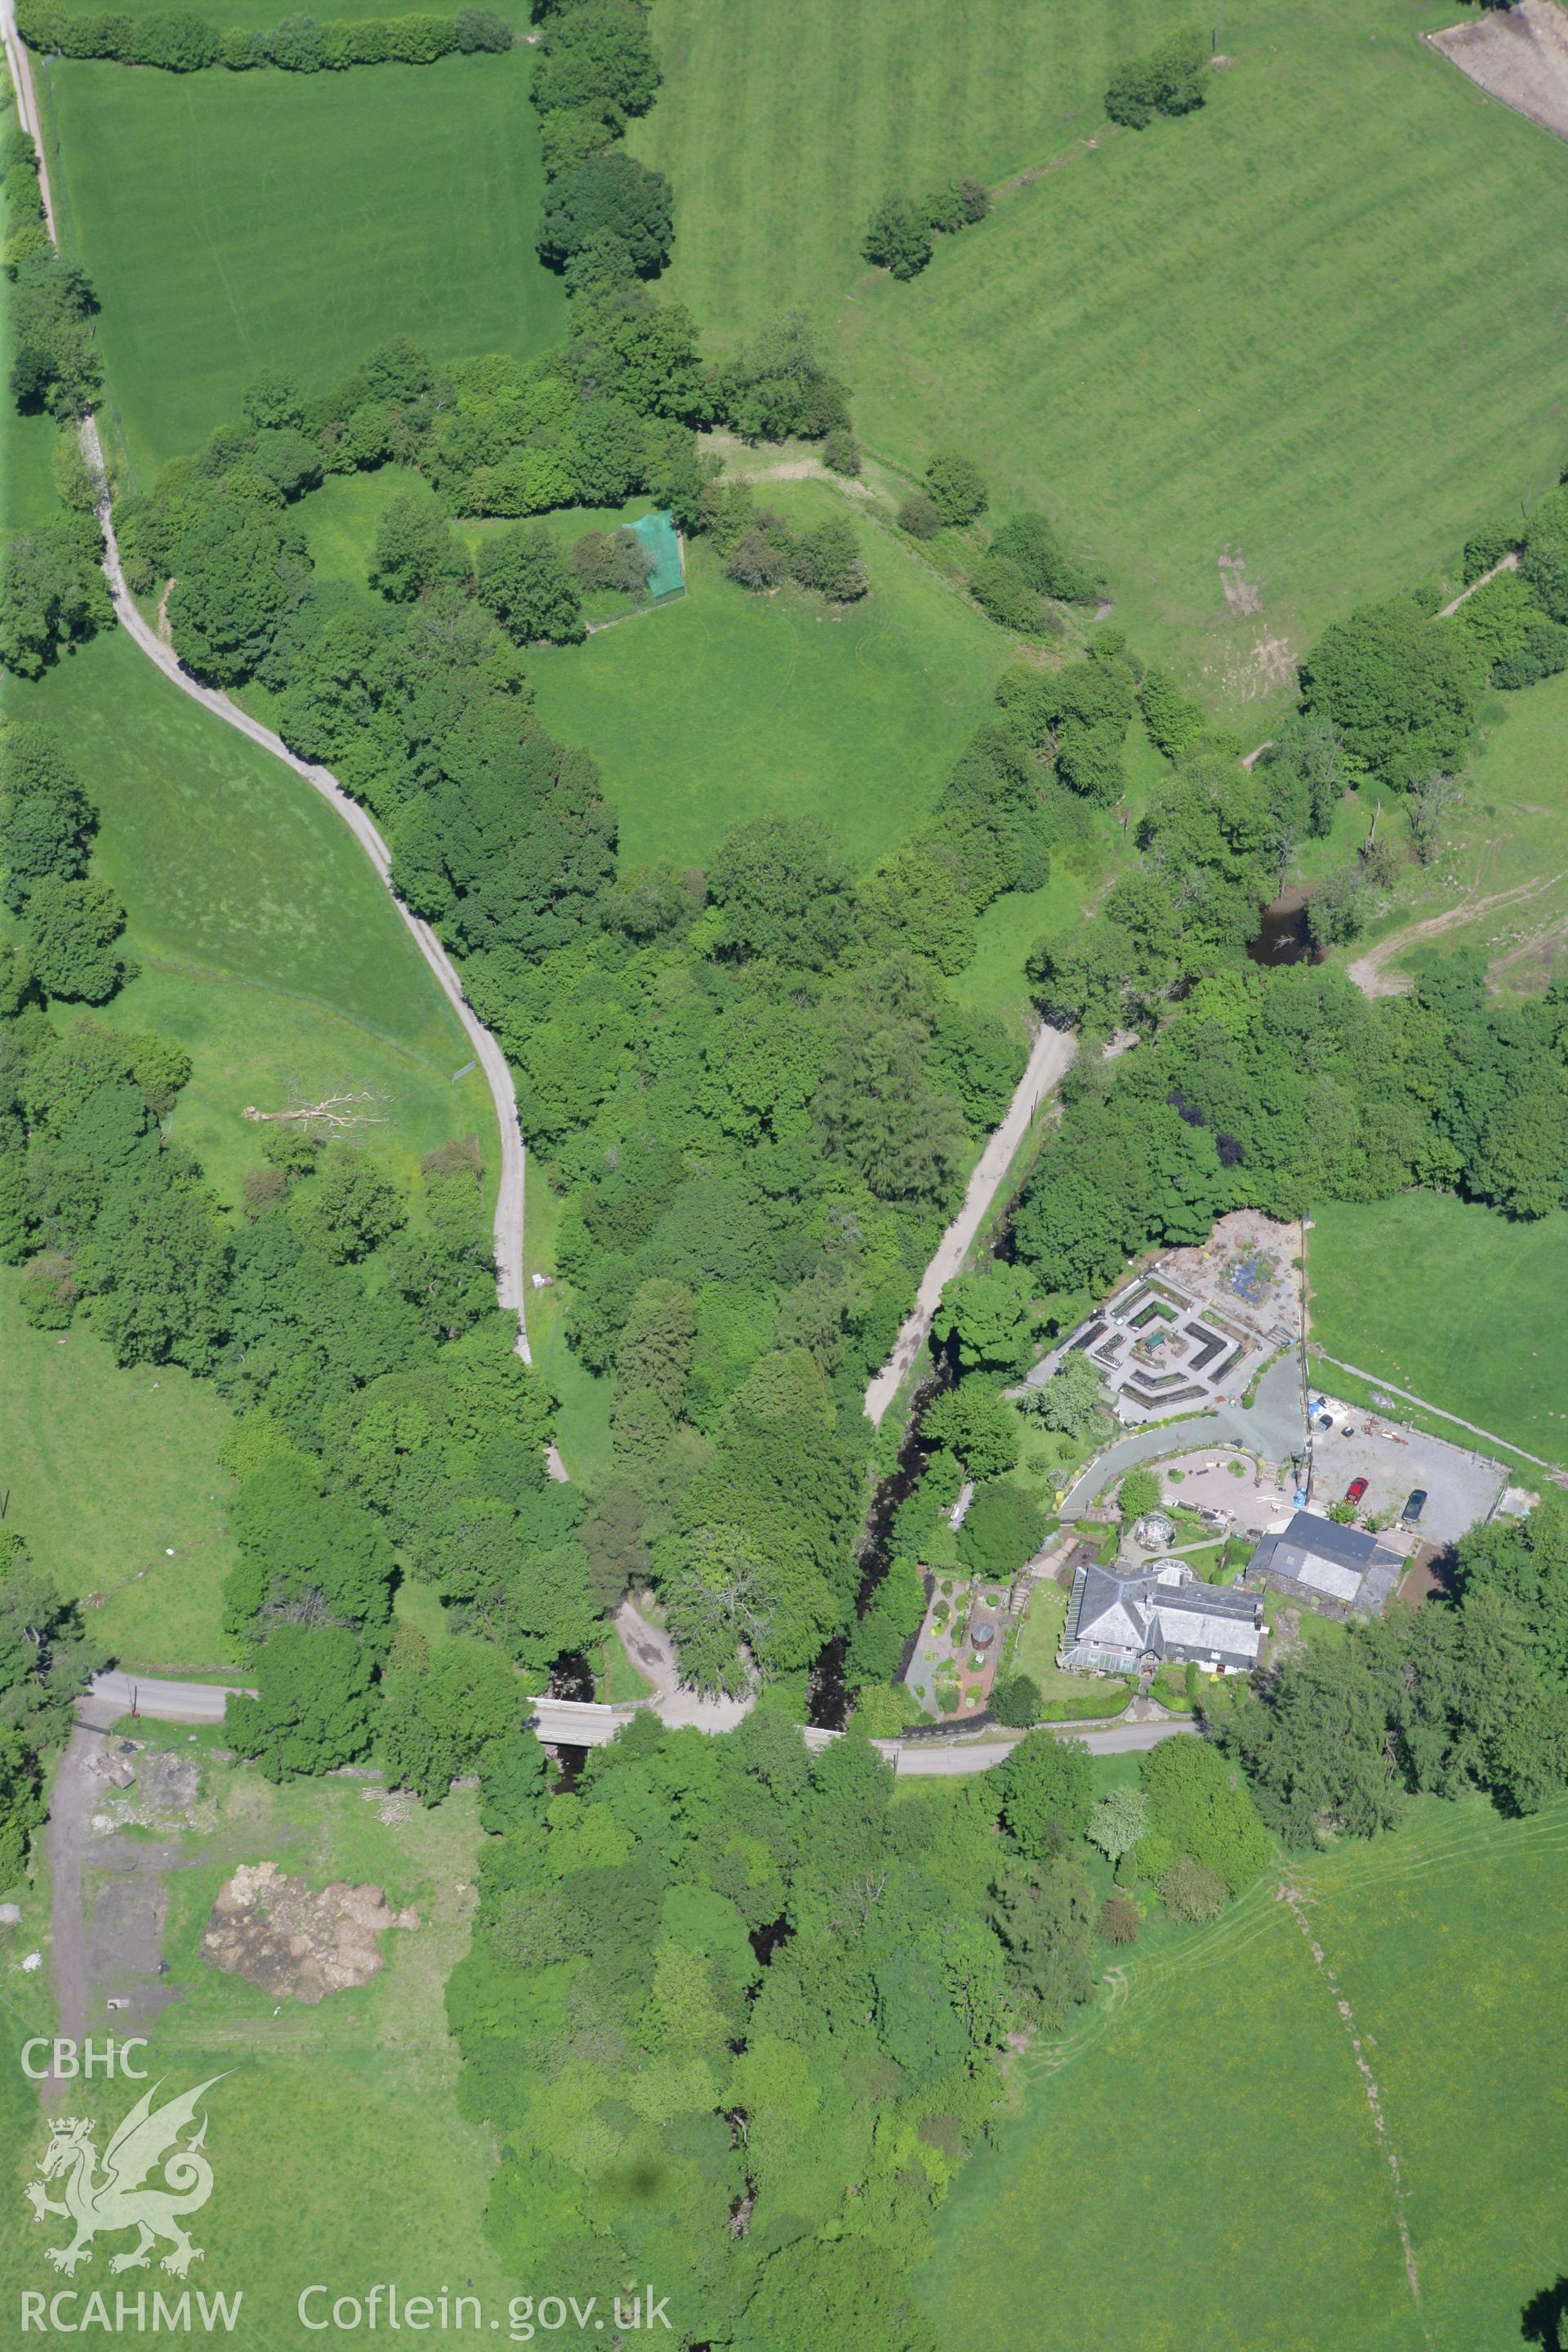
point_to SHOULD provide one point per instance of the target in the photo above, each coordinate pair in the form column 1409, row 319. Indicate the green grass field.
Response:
column 233, row 222
column 726, row 705
column 781, row 129
column 112, row 1478
column 1195, row 2167
column 1317, row 327
column 27, row 469
column 1501, row 881
column 268, row 947
column 338, row 2153
column 270, row 951
column 26, row 476
column 339, row 519
column 1460, row 1306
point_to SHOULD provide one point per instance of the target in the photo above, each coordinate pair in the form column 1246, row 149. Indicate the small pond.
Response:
column 1282, row 934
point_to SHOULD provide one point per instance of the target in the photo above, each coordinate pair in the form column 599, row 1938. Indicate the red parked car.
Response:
column 1356, row 1490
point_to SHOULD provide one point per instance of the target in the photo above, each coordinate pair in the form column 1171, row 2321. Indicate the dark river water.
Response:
column 1282, row 934
column 828, row 1698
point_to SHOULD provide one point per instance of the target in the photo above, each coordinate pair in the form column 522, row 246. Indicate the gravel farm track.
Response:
column 1370, row 972
column 1051, row 1052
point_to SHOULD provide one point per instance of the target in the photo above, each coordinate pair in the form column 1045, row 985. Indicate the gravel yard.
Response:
column 1518, row 55
column 1462, row 1486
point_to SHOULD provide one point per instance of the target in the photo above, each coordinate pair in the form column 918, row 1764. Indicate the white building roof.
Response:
column 1119, row 1629
column 1229, row 1635
column 1327, row 1576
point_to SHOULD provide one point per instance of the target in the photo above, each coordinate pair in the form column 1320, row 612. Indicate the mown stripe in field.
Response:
column 1322, row 321
column 296, row 219
column 852, row 101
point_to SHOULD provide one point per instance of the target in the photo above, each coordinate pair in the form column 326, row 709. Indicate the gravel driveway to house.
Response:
column 1462, row 1486
column 1272, row 1428
column 1208, row 1484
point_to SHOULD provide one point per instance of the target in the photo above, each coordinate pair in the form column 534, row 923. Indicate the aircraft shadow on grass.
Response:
column 1540, row 2321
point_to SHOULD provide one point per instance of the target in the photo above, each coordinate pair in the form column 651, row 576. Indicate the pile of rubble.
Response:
column 279, row 1935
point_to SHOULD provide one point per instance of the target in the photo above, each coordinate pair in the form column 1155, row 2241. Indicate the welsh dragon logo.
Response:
column 119, row 2199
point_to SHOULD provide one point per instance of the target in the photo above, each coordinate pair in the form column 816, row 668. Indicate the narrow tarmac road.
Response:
column 579, row 1723
column 916, row 1761
column 170, row 1702
column 510, row 1198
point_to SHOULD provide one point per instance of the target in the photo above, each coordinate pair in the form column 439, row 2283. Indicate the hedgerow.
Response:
column 182, row 41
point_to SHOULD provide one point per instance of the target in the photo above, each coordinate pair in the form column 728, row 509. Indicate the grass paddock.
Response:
column 1460, row 1305
column 782, row 127
column 720, row 705
column 236, row 222
column 268, row 947
column 1500, row 882
column 1200, row 2148
column 725, row 706
column 1315, row 329
column 106, row 1474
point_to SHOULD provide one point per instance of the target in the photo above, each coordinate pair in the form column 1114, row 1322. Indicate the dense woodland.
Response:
column 735, row 2010
column 1274, row 1090
column 1436, row 1700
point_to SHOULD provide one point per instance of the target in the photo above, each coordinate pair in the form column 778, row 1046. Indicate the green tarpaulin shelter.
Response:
column 658, row 535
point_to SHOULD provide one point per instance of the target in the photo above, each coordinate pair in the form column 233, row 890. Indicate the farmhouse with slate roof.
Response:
column 1330, row 1562
column 1118, row 1623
